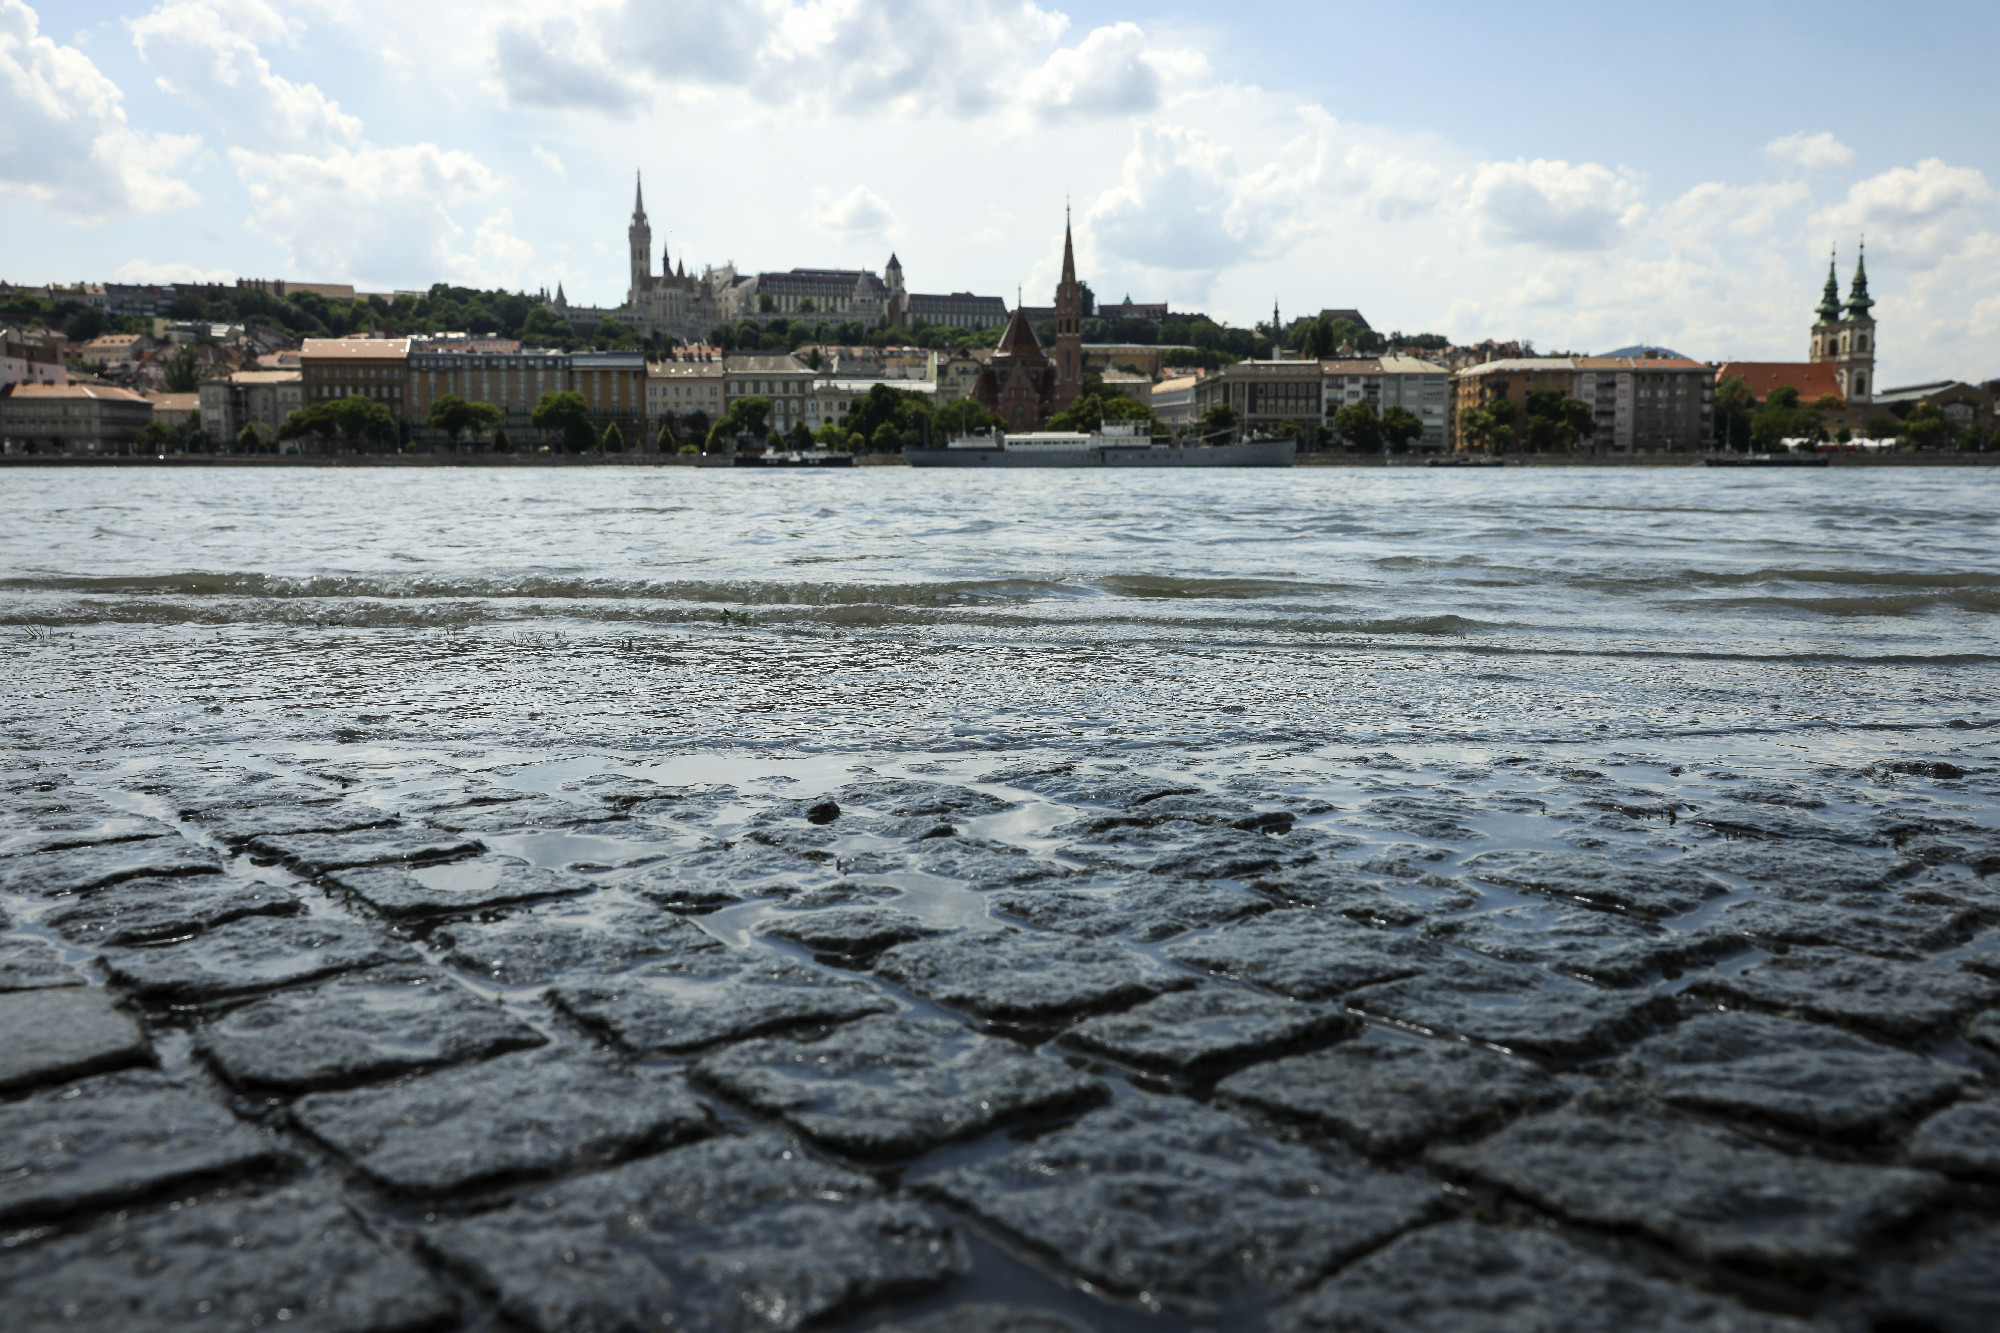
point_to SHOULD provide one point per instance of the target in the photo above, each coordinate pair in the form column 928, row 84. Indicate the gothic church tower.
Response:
column 640, row 237
column 1069, row 328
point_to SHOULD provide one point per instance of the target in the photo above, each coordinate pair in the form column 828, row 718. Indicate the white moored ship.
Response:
column 1114, row 446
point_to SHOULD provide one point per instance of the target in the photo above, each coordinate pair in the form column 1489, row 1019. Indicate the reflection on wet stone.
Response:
column 48, row 874
column 1606, row 947
column 460, row 886
column 255, row 953
column 31, row 964
column 1306, row 954
column 892, row 1087
column 683, row 1006
column 848, row 930
column 1141, row 911
column 1628, row 886
column 137, row 911
column 566, row 939
column 317, row 853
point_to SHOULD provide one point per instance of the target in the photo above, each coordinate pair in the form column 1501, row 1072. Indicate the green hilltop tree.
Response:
column 455, row 416
column 184, row 370
column 565, row 414
column 614, row 439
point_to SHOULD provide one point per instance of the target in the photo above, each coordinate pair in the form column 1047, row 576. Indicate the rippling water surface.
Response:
column 1421, row 668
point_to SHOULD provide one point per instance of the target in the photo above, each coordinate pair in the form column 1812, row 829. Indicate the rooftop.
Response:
column 356, row 349
column 99, row 392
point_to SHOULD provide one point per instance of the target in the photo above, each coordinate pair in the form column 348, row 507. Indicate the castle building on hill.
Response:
column 688, row 307
column 1847, row 338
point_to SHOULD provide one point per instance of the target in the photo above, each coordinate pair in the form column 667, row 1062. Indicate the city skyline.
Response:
column 212, row 138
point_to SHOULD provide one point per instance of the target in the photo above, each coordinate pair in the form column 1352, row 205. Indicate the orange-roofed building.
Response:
column 1813, row 379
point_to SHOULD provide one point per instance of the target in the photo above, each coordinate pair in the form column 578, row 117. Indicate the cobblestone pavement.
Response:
column 1334, row 1040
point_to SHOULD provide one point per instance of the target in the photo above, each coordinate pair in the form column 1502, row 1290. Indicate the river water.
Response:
column 1639, row 664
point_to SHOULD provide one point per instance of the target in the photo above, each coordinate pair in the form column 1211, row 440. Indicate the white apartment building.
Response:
column 1408, row 382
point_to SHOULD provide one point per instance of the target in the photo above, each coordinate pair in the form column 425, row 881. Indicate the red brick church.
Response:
column 1023, row 385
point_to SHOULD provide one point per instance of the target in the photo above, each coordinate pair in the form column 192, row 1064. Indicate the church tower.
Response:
column 898, row 301
column 1846, row 336
column 640, row 237
column 1855, row 361
column 1069, row 328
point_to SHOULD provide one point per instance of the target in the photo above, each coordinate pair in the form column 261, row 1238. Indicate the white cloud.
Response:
column 860, row 214
column 64, row 140
column 1553, row 205
column 145, row 271
column 549, row 158
column 1174, row 208
column 207, row 53
column 839, row 57
column 368, row 214
column 556, row 63
column 1921, row 215
column 1815, row 152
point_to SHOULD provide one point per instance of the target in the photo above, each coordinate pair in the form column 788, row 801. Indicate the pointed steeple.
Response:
column 1069, row 252
column 1019, row 339
column 560, row 298
column 638, row 197
column 1829, row 301
column 1858, row 300
column 894, row 262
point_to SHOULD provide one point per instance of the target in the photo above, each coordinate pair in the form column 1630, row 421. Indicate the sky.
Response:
column 1586, row 179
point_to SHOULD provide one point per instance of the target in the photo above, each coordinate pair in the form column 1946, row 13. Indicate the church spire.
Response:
column 1858, row 300
column 638, row 197
column 1829, row 301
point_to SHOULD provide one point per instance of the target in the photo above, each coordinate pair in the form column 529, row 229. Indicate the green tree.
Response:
column 613, row 335
column 963, row 417
column 747, row 419
column 1781, row 418
column 799, row 437
column 613, row 440
column 454, row 416
column 501, row 443
column 1218, row 421
column 909, row 412
column 542, row 327
column 1491, row 426
column 1359, row 426
column 248, row 441
column 1097, row 406
column 1927, row 428
column 1401, row 428
column 184, row 370
column 1734, row 406
column 1555, row 421
column 886, row 439
column 566, row 415
column 665, row 441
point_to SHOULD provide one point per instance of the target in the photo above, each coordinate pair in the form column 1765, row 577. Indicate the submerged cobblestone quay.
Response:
column 1015, row 950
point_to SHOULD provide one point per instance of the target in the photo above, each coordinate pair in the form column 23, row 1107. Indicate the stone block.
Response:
column 523, row 1115
column 1209, row 1028
column 1958, row 1292
column 454, row 887
column 1167, row 1201
column 1790, row 863
column 986, row 1317
column 364, row 1025
column 682, row 1006
column 1902, row 1000
column 80, row 869
column 1610, row 948
column 1705, row 1191
column 1388, row 1097
column 253, row 954
column 318, row 853
column 563, row 941
column 1466, row 1278
column 1519, row 1008
column 27, row 963
column 885, row 1087
column 1019, row 976
column 1147, row 912
column 1816, row 1079
column 848, row 930
column 1308, row 954
column 1639, row 887
column 734, row 1233
column 290, row 1259
column 139, row 911
column 1961, row 1141
column 114, row 1139
column 237, row 825
column 65, row 1033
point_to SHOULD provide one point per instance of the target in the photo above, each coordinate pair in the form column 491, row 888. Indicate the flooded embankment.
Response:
column 1334, row 899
